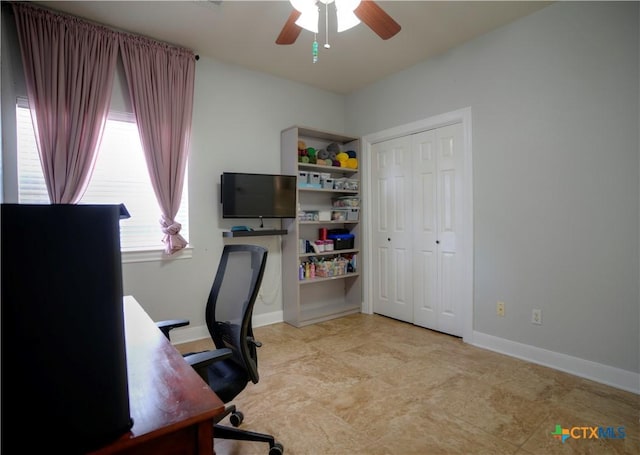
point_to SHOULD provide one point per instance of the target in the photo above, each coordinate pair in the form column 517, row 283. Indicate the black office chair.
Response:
column 229, row 368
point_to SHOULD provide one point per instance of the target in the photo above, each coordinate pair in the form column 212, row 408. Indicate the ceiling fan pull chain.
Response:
column 314, row 48
column 326, row 26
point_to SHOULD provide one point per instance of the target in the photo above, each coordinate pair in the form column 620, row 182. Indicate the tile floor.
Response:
column 366, row 384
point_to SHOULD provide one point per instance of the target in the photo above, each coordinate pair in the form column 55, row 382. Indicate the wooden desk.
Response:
column 171, row 406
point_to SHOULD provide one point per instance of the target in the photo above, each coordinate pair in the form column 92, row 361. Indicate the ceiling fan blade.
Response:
column 291, row 30
column 377, row 20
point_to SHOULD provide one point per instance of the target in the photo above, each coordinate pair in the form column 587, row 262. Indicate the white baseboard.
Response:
column 260, row 320
column 615, row 377
column 194, row 333
column 188, row 334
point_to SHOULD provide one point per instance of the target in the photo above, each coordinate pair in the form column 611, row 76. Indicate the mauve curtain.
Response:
column 161, row 81
column 69, row 66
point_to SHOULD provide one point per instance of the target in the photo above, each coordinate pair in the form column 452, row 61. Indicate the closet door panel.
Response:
column 447, row 305
column 391, row 236
column 425, row 227
column 449, row 202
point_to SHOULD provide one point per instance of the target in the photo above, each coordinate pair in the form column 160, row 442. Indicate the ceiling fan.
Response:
column 367, row 11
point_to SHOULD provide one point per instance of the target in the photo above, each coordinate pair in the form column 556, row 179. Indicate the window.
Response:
column 120, row 176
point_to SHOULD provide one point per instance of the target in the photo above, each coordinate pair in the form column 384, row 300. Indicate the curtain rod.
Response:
column 114, row 29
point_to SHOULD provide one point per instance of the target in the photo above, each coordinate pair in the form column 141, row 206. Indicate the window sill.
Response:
column 155, row 255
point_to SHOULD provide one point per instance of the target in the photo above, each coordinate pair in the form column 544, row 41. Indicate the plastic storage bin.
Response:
column 339, row 183
column 351, row 184
column 314, row 180
column 309, row 215
column 352, row 213
column 346, row 201
column 327, row 184
column 342, row 241
column 335, row 267
column 345, row 214
column 339, row 215
column 303, row 179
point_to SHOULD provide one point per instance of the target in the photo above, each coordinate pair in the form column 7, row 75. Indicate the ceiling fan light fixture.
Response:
column 309, row 20
column 346, row 20
column 345, row 14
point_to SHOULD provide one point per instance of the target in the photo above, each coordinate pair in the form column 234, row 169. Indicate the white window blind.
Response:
column 120, row 176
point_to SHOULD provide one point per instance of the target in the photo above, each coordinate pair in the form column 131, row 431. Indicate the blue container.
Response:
column 342, row 241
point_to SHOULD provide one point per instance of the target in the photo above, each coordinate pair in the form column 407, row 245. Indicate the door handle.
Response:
column 438, row 242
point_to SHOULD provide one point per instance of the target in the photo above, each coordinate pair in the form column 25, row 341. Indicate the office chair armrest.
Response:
column 201, row 360
column 170, row 324
column 254, row 342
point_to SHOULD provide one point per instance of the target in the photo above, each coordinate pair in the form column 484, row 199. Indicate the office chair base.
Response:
column 222, row 432
column 276, row 449
column 236, row 418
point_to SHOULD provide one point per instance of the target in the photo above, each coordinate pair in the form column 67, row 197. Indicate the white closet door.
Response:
column 425, row 229
column 417, row 213
column 391, row 233
column 437, row 204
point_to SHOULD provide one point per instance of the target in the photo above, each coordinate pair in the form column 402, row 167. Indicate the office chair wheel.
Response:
column 236, row 418
column 276, row 449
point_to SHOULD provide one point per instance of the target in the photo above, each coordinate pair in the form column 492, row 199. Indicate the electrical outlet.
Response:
column 500, row 309
column 536, row 316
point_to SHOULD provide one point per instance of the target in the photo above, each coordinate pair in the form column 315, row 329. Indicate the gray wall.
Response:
column 554, row 99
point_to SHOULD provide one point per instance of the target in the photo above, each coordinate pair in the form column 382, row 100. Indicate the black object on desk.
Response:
column 63, row 345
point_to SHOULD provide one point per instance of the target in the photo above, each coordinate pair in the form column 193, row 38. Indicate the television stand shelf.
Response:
column 254, row 233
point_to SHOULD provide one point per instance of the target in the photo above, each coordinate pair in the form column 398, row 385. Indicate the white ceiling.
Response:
column 244, row 33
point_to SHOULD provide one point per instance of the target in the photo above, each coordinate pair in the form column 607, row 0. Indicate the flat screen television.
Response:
column 247, row 195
